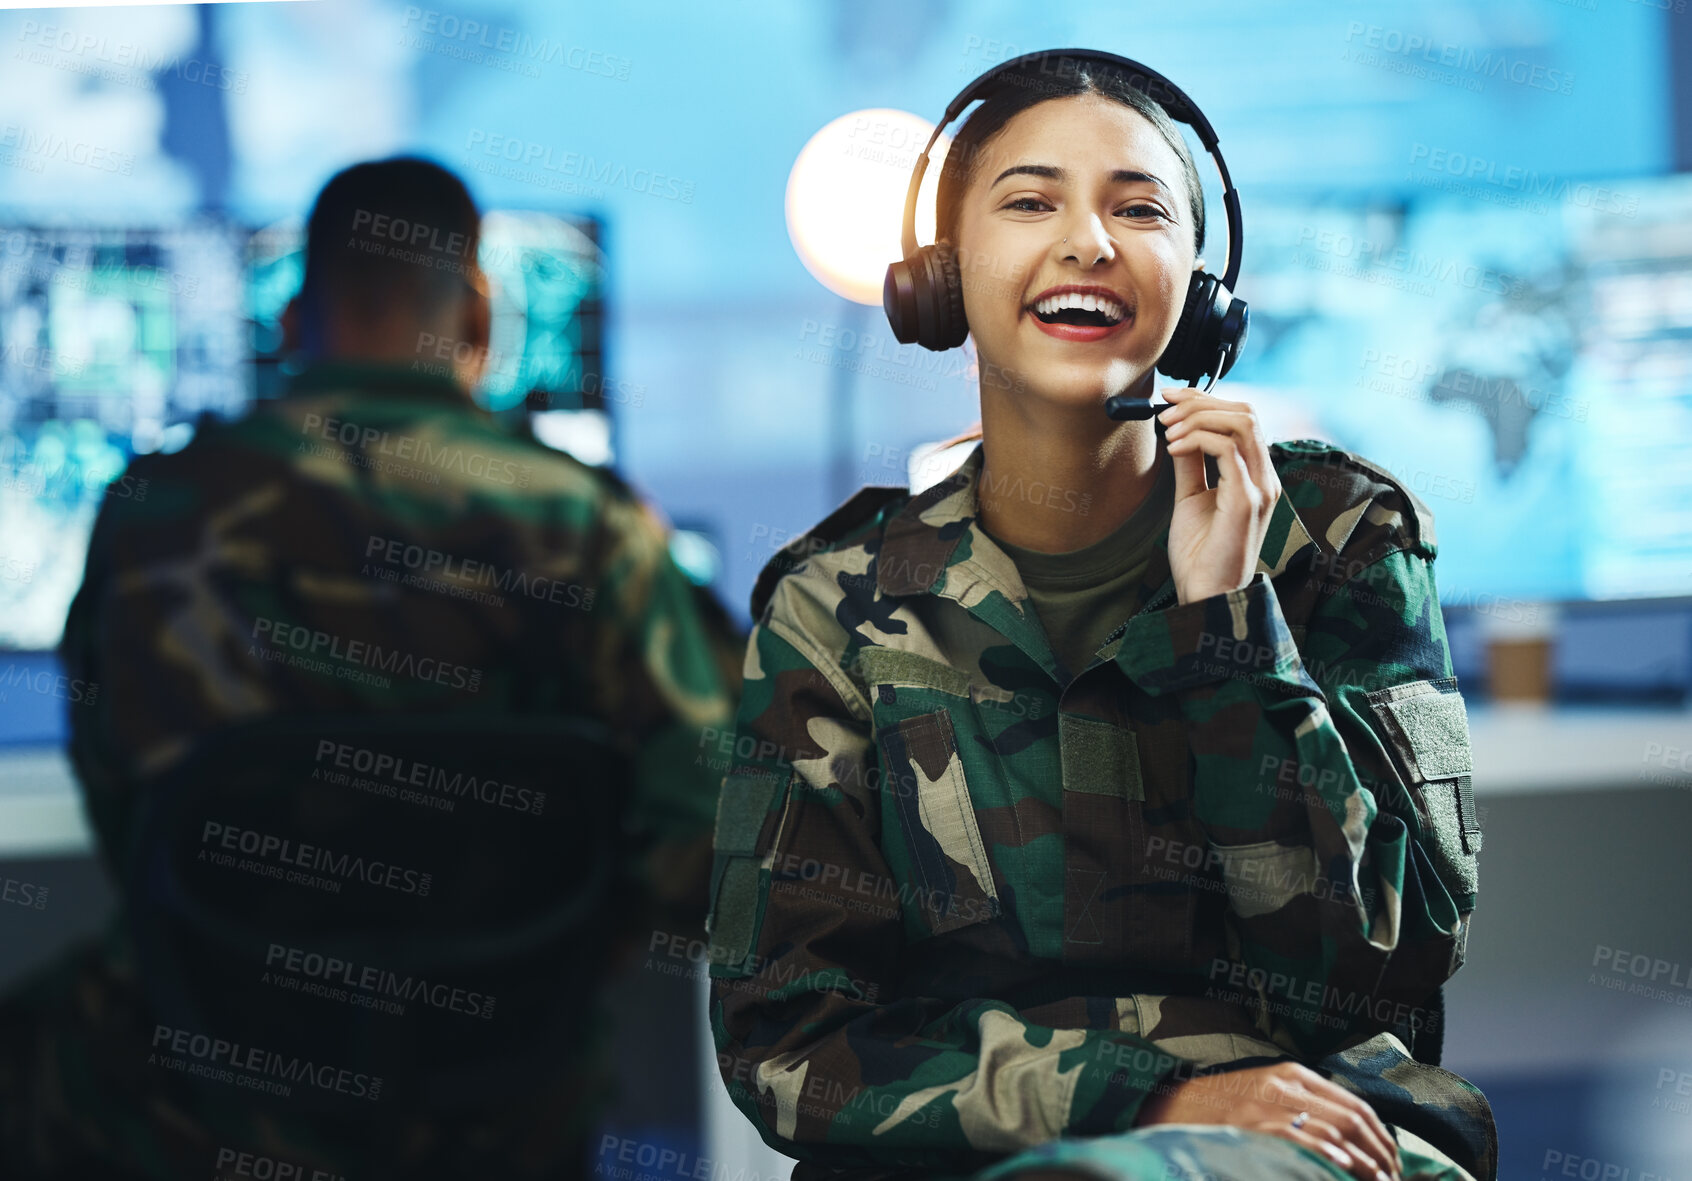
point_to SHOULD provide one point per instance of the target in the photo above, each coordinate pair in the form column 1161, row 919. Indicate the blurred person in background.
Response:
column 1095, row 815
column 300, row 516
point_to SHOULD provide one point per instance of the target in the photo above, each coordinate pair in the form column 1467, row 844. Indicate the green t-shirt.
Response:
column 1082, row 596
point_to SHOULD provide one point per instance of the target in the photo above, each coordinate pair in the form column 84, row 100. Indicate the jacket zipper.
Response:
column 1148, row 605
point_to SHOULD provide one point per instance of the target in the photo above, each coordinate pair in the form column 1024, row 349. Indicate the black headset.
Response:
column 923, row 293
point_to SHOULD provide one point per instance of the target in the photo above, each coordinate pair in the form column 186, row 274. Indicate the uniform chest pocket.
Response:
column 930, row 833
column 1426, row 728
column 945, row 859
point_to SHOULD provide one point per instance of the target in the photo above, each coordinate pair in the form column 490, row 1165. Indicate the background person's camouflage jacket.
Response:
column 959, row 909
column 455, row 566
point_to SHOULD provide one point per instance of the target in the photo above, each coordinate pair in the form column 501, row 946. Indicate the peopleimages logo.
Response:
column 529, row 154
column 39, row 146
column 36, row 680
column 375, row 442
column 253, row 1067
column 466, row 34
column 1461, row 59
column 378, row 988
column 1529, row 182
column 421, row 563
column 398, row 771
column 312, row 858
column 306, row 644
column 240, row 1163
column 126, row 55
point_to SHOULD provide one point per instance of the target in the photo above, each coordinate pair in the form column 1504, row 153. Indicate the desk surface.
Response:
column 1519, row 750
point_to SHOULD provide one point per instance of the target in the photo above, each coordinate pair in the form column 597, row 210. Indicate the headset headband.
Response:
column 1143, row 78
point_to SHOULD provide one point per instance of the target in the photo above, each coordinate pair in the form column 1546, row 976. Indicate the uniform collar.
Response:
column 934, row 544
column 392, row 379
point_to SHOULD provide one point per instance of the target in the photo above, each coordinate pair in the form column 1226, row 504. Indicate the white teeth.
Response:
column 1086, row 302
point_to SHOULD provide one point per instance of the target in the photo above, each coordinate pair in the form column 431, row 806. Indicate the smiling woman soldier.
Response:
column 1130, row 843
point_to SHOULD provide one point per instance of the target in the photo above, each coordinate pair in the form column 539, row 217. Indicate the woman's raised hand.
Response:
column 1215, row 533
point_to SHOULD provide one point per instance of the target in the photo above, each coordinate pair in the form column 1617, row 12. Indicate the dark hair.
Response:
column 1017, row 94
column 401, row 230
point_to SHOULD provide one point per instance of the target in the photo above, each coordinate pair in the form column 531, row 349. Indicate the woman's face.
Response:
column 1074, row 321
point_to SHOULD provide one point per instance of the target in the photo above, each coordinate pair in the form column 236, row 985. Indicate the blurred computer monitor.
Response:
column 547, row 276
column 1516, row 350
column 115, row 341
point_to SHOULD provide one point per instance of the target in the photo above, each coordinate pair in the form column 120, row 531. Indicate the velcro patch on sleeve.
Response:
column 736, row 888
column 741, row 808
column 1426, row 726
column 734, row 913
column 1430, row 717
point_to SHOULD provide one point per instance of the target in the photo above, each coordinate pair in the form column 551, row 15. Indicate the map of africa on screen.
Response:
column 1521, row 357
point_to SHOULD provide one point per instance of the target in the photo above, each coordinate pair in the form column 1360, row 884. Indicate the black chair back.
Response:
column 1427, row 1041
column 418, row 906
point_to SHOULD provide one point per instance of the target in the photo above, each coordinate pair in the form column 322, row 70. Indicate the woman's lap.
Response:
column 1195, row 1152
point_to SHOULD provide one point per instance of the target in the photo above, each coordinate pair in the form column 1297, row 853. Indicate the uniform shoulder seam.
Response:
column 866, row 510
column 1367, row 494
column 850, row 694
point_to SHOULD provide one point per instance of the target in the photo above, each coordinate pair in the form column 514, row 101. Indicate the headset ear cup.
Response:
column 898, row 300
column 1236, row 324
column 1181, row 358
column 923, row 299
column 930, row 288
column 1176, row 357
column 951, row 326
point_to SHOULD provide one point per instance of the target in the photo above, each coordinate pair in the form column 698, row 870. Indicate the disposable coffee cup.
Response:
column 1519, row 637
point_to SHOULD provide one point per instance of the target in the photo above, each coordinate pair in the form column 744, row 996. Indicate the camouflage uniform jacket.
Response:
column 435, row 561
column 960, row 909
column 484, row 572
